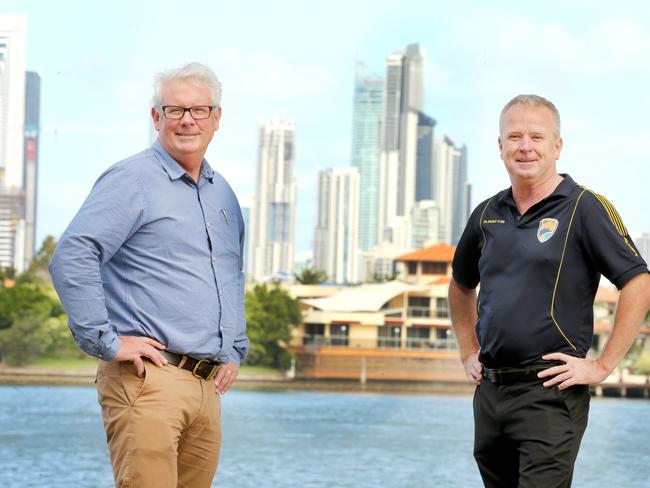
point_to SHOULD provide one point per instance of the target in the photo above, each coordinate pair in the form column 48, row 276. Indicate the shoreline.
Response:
column 246, row 381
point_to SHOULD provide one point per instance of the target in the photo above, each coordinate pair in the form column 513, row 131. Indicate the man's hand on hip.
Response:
column 574, row 371
column 226, row 376
column 473, row 368
column 135, row 348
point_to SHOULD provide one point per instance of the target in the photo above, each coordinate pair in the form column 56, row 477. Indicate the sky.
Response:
column 295, row 60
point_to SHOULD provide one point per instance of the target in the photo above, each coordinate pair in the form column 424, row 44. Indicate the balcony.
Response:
column 312, row 342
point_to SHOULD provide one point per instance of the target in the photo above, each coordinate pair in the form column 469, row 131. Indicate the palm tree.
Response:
column 310, row 276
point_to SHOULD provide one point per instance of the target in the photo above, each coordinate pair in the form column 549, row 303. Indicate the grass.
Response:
column 89, row 363
column 65, row 363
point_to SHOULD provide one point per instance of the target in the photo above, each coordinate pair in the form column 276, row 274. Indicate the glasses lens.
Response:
column 200, row 112
column 173, row 112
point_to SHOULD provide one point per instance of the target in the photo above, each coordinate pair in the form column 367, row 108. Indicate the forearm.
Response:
column 462, row 306
column 633, row 304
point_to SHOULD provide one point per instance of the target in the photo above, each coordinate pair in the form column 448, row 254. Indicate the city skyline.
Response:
column 593, row 62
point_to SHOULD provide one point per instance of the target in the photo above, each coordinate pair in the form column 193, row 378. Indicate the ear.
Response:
column 217, row 118
column 559, row 143
column 155, row 115
column 500, row 146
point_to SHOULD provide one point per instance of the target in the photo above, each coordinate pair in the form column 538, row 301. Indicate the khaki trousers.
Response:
column 163, row 430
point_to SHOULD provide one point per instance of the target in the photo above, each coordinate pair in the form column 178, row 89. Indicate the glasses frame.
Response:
column 187, row 109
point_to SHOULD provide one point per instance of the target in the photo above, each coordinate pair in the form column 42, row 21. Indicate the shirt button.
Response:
column 213, row 258
column 221, row 328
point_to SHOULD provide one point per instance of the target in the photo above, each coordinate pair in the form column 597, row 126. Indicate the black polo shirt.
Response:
column 539, row 272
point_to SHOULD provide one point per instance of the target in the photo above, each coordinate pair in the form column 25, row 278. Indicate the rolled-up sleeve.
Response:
column 113, row 211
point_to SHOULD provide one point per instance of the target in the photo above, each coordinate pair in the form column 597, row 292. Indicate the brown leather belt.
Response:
column 200, row 368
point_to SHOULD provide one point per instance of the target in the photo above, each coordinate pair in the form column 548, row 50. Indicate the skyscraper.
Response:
column 451, row 189
column 336, row 235
column 32, row 130
column 366, row 138
column 12, row 122
column 406, row 158
column 275, row 200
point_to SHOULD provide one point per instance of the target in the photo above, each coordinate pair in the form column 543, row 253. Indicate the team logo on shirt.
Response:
column 547, row 228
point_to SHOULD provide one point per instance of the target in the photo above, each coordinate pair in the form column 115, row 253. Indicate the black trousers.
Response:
column 527, row 435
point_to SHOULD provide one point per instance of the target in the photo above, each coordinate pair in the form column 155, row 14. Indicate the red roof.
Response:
column 437, row 252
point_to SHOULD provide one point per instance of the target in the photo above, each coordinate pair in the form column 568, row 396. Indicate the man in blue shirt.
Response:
column 150, row 274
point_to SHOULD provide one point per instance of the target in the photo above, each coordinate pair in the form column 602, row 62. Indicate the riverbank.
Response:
column 83, row 373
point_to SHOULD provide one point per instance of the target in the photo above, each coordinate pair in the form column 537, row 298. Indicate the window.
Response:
column 313, row 334
column 434, row 267
column 442, row 308
column 412, row 267
column 419, row 307
column 389, row 336
column 443, row 333
column 418, row 338
column 339, row 334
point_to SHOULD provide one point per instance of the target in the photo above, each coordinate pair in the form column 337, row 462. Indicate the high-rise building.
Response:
column 451, row 189
column 30, row 176
column 247, row 205
column 336, row 236
column 366, row 139
column 424, row 158
column 406, row 158
column 275, row 201
column 643, row 245
column 424, row 224
column 12, row 143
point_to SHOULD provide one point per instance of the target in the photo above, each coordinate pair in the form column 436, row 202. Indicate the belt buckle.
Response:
column 213, row 369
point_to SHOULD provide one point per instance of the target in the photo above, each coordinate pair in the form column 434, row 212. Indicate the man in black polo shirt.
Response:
column 538, row 250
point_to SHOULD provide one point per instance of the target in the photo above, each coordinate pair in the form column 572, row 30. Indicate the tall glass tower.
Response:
column 366, row 140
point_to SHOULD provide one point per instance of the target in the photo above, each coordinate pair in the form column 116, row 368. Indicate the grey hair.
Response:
column 532, row 101
column 196, row 72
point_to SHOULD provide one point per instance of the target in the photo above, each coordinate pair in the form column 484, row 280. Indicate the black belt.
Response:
column 515, row 375
column 201, row 368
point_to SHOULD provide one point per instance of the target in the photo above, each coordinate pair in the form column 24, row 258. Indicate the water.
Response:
column 53, row 437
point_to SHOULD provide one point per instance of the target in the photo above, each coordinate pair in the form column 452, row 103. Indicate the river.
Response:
column 52, row 437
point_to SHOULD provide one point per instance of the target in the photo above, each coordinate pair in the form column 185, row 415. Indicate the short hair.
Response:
column 196, row 72
column 533, row 101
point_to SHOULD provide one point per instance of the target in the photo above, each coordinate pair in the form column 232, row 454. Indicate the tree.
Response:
column 310, row 276
column 271, row 315
column 38, row 269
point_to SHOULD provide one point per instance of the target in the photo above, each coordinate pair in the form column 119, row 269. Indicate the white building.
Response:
column 14, row 250
column 336, row 239
column 424, row 224
column 378, row 264
column 451, row 189
column 643, row 245
column 275, row 201
column 366, row 145
column 403, row 104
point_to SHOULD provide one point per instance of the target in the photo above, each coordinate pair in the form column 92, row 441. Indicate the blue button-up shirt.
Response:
column 153, row 253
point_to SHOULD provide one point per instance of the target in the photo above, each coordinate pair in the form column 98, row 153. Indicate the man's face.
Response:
column 528, row 144
column 185, row 139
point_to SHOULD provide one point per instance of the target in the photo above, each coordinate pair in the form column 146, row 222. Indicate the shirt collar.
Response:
column 175, row 170
column 564, row 189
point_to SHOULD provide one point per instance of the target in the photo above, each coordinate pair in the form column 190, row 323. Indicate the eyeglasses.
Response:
column 199, row 112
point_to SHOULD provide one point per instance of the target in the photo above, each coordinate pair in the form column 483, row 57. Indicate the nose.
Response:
column 187, row 118
column 525, row 144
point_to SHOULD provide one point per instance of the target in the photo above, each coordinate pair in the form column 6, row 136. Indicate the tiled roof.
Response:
column 437, row 252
